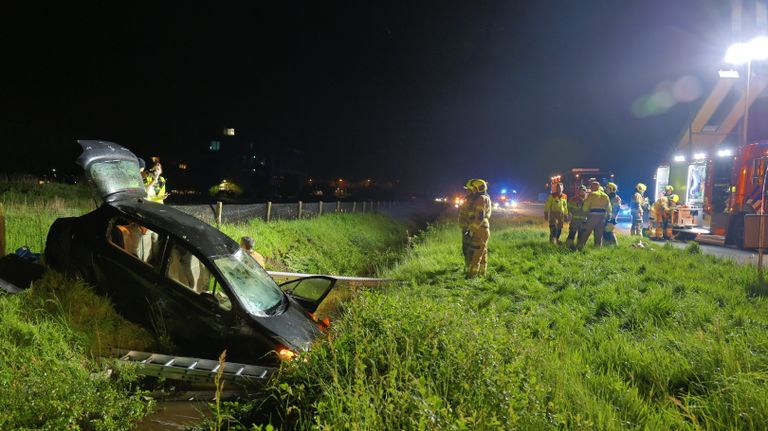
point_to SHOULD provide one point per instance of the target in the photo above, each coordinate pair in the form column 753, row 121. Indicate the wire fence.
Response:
column 269, row 211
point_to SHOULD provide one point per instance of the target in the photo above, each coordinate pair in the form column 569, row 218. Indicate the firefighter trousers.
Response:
column 595, row 224
column 555, row 226
column 573, row 231
column 476, row 259
column 637, row 223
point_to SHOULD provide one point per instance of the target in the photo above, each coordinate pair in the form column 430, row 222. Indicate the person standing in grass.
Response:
column 637, row 207
column 479, row 228
column 556, row 211
column 464, row 214
column 597, row 206
column 576, row 215
column 609, row 237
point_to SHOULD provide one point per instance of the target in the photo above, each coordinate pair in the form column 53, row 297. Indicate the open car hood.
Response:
column 113, row 169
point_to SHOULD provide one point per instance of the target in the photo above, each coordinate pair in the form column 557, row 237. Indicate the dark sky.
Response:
column 427, row 92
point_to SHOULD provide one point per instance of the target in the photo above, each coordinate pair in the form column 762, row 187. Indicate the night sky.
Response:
column 429, row 93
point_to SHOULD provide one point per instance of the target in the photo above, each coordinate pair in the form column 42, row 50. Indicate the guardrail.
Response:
column 215, row 214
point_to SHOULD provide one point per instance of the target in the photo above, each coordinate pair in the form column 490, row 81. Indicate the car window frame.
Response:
column 171, row 240
column 163, row 241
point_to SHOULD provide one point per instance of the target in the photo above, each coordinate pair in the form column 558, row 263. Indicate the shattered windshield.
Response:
column 253, row 286
column 115, row 176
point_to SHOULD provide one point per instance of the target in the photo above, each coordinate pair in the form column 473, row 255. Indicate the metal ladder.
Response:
column 194, row 370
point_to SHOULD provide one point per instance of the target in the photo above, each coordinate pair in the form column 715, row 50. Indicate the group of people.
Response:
column 591, row 212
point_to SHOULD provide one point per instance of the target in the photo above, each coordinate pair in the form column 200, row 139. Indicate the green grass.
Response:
column 612, row 338
column 336, row 244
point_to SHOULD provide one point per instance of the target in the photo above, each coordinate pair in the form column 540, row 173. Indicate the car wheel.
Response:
column 58, row 245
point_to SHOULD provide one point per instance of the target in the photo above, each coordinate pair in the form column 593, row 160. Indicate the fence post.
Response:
column 219, row 209
column 320, row 208
column 363, row 206
column 2, row 231
column 354, row 206
column 269, row 211
column 338, row 206
column 301, row 207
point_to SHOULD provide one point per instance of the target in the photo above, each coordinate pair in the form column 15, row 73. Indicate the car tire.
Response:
column 58, row 245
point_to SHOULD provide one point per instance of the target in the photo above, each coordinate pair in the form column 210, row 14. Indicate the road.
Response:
column 740, row 256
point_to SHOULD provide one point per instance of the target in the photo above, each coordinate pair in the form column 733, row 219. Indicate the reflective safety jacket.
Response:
column 597, row 202
column 576, row 209
column 637, row 203
column 660, row 208
column 556, row 203
column 615, row 205
column 157, row 192
column 479, row 209
column 465, row 211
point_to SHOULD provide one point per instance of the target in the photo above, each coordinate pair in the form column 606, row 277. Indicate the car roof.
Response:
column 208, row 240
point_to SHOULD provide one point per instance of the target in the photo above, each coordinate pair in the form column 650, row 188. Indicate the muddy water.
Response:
column 174, row 415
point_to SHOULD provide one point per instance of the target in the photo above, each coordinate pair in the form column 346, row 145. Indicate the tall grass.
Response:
column 612, row 338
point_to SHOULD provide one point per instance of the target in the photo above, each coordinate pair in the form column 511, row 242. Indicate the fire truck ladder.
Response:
column 195, row 370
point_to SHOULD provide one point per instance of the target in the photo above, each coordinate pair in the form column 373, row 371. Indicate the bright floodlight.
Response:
column 728, row 74
column 740, row 53
column 726, row 152
column 699, row 156
column 679, row 158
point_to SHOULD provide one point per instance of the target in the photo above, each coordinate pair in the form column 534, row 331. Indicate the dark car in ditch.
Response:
column 177, row 275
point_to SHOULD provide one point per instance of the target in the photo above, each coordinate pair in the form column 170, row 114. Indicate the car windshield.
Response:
column 114, row 176
column 250, row 283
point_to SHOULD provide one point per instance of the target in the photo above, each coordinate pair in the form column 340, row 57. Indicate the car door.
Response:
column 128, row 262
column 309, row 292
column 198, row 312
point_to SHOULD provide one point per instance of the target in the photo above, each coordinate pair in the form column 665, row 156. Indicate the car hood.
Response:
column 113, row 169
column 292, row 327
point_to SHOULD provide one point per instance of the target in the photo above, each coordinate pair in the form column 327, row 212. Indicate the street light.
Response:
column 745, row 53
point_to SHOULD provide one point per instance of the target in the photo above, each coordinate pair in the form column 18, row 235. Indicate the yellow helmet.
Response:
column 480, row 185
column 640, row 187
column 612, row 187
column 674, row 198
column 669, row 189
column 470, row 184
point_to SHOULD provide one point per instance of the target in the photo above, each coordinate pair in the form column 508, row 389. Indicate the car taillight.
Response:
column 284, row 353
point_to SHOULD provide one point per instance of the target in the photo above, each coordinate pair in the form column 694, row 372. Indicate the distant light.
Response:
column 229, row 131
column 699, row 156
column 727, row 152
column 679, row 158
column 728, row 74
column 741, row 53
column 503, row 191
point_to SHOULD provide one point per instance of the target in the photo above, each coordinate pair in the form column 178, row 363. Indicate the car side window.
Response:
column 136, row 240
column 187, row 270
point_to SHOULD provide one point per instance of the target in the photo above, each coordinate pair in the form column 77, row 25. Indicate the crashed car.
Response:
column 178, row 276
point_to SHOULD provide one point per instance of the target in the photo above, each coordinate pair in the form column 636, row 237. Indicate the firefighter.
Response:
column 659, row 212
column 555, row 211
column 670, row 216
column 597, row 206
column 637, row 208
column 155, row 184
column 479, row 210
column 609, row 237
column 576, row 215
column 464, row 213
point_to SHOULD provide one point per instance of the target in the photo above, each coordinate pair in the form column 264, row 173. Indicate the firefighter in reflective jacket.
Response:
column 154, row 183
column 555, row 211
column 637, row 208
column 609, row 237
column 597, row 205
column 576, row 215
column 659, row 212
column 670, row 216
column 464, row 214
column 479, row 211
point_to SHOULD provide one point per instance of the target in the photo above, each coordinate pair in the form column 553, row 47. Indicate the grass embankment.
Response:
column 612, row 338
column 52, row 335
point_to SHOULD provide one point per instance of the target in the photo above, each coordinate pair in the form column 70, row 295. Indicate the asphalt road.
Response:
column 740, row 256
